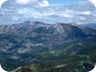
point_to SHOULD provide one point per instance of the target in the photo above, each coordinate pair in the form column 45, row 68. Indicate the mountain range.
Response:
column 47, row 47
column 90, row 25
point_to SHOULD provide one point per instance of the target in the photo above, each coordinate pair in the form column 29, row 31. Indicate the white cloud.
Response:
column 26, row 2
column 86, row 13
column 31, row 13
column 52, row 12
column 68, row 15
column 44, row 3
column 82, row 18
column 15, row 18
column 36, row 3
column 94, row 2
column 22, row 2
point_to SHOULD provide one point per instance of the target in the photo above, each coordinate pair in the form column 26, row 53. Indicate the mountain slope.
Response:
column 28, row 42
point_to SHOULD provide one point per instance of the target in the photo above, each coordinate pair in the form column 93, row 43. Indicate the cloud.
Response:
column 31, row 13
column 66, row 13
column 86, row 12
column 22, row 2
column 26, row 2
column 36, row 3
column 43, row 10
column 16, row 18
column 44, row 3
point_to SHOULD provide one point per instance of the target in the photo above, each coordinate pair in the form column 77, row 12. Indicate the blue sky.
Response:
column 49, row 11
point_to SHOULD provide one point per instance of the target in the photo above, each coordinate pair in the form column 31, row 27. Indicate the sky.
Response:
column 48, row 11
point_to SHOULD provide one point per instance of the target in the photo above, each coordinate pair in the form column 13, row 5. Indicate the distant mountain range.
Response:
column 90, row 25
column 63, row 47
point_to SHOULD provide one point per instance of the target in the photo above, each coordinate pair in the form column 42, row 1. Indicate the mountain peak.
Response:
column 27, row 22
column 59, row 27
column 35, row 22
column 38, row 22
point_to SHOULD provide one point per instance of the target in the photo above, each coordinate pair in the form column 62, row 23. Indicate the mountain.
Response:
column 90, row 25
column 46, row 47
